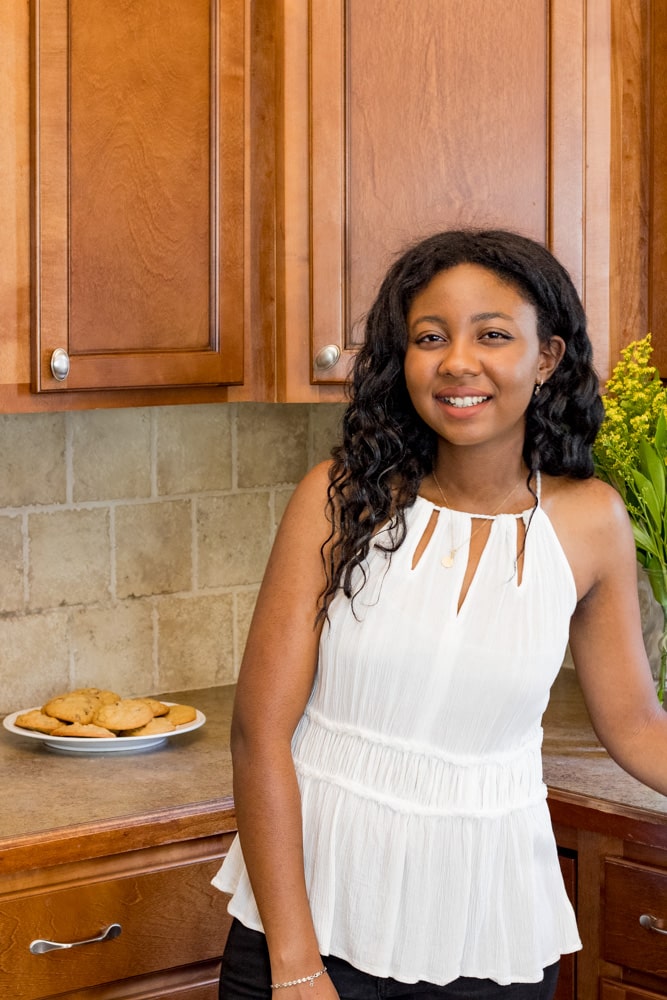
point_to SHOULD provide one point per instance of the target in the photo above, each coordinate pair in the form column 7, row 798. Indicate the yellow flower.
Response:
column 630, row 452
column 634, row 399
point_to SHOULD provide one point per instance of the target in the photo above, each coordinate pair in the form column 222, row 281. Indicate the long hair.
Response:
column 387, row 449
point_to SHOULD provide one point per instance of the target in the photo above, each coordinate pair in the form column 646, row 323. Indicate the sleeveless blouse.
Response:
column 428, row 847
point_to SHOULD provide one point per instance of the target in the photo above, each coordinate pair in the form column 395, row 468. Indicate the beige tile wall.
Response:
column 133, row 541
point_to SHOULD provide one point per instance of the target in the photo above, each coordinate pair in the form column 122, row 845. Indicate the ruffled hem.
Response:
column 383, row 900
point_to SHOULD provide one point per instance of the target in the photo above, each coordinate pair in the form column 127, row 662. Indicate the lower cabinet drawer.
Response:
column 635, row 916
column 612, row 990
column 168, row 918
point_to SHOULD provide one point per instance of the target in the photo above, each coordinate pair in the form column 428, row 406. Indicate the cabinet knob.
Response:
column 41, row 947
column 327, row 357
column 652, row 923
column 60, row 364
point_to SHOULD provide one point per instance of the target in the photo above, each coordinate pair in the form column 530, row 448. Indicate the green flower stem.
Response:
column 662, row 673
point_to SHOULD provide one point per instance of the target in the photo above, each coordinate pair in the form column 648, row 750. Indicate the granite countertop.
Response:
column 577, row 768
column 60, row 796
column 64, row 797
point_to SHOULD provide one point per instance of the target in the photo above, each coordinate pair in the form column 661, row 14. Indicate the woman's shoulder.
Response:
column 315, row 484
column 307, row 507
column 592, row 525
column 584, row 500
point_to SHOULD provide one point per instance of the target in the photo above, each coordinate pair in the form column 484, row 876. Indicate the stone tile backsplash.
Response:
column 134, row 540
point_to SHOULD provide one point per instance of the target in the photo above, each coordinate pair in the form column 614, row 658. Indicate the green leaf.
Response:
column 657, row 576
column 643, row 540
column 654, row 467
column 647, row 495
column 660, row 439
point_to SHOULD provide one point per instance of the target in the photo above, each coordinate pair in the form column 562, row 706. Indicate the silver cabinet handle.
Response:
column 651, row 923
column 327, row 357
column 60, row 364
column 40, row 947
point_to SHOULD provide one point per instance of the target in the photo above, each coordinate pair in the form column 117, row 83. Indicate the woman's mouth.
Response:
column 462, row 402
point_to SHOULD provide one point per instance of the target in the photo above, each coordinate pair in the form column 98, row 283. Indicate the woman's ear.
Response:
column 551, row 354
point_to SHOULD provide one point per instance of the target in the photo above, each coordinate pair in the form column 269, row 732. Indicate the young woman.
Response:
column 394, row 837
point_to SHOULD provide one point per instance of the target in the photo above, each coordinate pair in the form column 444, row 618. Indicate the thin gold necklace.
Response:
column 448, row 559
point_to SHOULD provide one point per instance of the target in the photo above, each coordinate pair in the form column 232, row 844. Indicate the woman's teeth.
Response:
column 461, row 401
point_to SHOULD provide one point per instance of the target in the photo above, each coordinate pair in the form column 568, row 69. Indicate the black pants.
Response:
column 246, row 975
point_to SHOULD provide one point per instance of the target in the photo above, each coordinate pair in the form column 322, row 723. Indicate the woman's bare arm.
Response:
column 275, row 682
column 607, row 643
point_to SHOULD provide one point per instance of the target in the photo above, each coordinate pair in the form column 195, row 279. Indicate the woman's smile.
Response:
column 464, row 402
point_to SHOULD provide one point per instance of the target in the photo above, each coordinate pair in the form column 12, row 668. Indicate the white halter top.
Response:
column 428, row 846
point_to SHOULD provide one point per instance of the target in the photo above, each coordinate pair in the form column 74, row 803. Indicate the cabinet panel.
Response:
column 410, row 133
column 567, row 976
column 658, row 182
column 610, row 990
column 138, row 174
column 169, row 918
column 634, row 896
column 199, row 982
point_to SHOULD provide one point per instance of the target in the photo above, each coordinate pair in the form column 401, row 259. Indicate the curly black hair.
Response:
column 387, row 449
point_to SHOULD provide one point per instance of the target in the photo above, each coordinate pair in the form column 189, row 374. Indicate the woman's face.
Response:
column 474, row 356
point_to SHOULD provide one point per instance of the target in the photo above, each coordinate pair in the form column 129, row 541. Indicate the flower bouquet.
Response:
column 631, row 454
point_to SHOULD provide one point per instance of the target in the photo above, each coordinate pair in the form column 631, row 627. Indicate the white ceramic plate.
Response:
column 111, row 744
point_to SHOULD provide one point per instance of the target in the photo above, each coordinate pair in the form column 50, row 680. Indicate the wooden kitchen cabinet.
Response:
column 614, row 830
column 621, row 888
column 223, row 240
column 173, row 925
column 137, row 194
column 217, row 187
column 401, row 119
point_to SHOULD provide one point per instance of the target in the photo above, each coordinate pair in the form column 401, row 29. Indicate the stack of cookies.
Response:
column 93, row 713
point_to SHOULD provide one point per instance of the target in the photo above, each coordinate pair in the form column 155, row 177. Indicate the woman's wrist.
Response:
column 297, row 982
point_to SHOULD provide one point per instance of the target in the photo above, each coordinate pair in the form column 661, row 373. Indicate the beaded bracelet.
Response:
column 297, row 982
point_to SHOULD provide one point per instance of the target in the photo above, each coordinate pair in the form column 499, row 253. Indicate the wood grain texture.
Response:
column 149, row 906
column 410, row 133
column 611, row 990
column 629, row 174
column 630, row 891
column 658, row 184
column 567, row 975
column 138, row 192
column 442, row 113
column 446, row 110
column 140, row 176
column 199, row 982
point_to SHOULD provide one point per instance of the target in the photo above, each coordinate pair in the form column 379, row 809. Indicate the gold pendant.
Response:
column 448, row 561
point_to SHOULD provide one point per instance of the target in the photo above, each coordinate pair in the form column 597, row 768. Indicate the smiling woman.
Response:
column 415, row 612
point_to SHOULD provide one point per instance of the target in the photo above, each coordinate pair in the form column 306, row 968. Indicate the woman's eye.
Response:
column 431, row 337
column 496, row 335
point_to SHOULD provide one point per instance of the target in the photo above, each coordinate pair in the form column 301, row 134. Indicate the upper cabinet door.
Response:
column 137, row 193
column 429, row 115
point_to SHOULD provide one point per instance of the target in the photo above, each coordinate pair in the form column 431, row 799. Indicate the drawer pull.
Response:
column 652, row 923
column 40, row 947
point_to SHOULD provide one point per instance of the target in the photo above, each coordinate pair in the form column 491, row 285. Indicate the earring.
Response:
column 538, row 386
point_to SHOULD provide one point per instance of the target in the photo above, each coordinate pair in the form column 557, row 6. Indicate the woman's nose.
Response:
column 460, row 358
